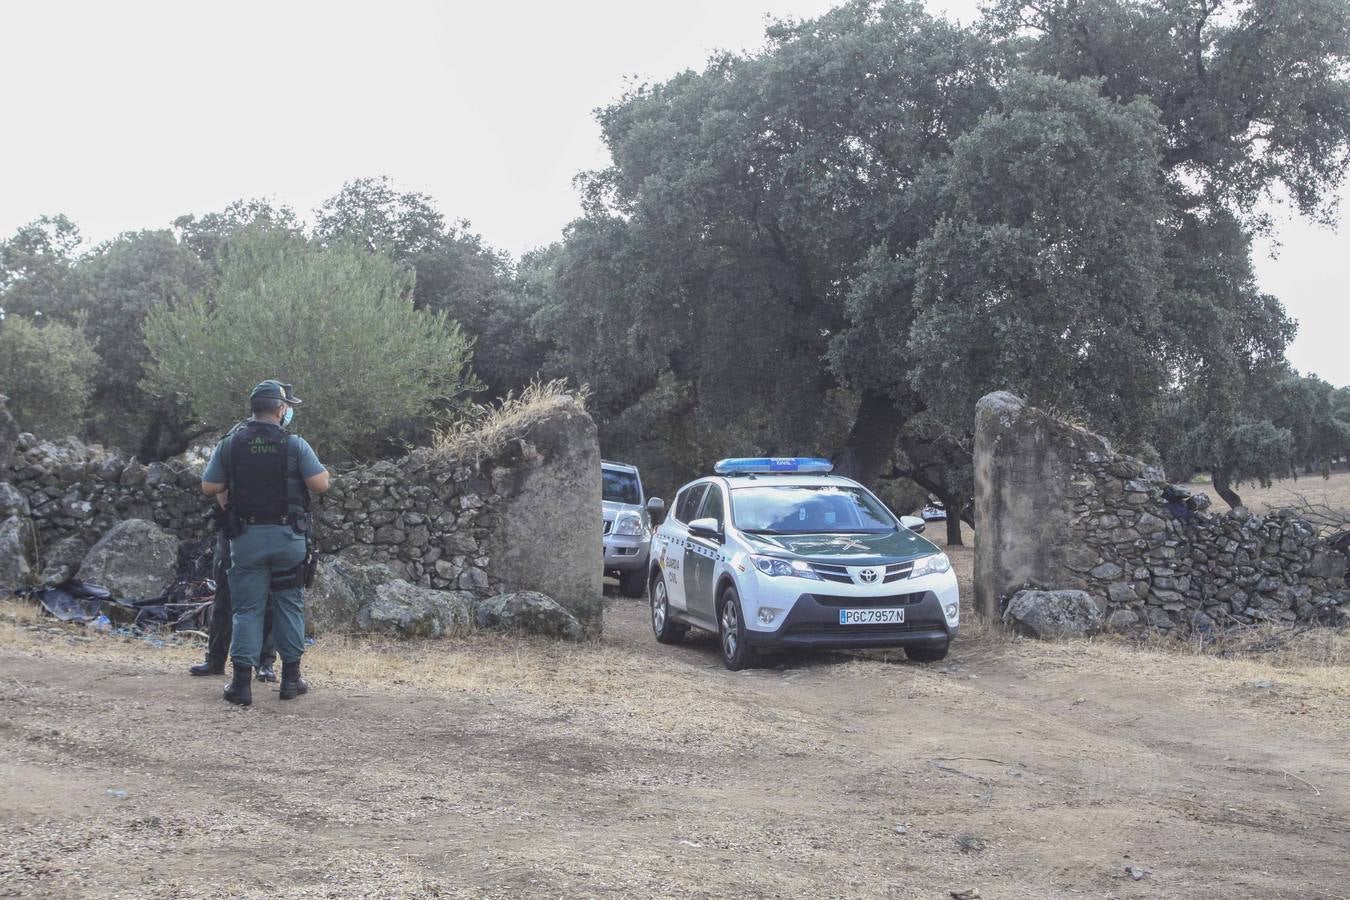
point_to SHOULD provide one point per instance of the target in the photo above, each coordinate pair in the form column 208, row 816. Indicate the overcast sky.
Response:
column 125, row 115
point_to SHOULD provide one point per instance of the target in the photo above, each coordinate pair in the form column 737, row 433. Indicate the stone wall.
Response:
column 522, row 517
column 1057, row 508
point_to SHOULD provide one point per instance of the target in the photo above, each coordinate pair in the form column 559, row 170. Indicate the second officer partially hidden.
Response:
column 266, row 475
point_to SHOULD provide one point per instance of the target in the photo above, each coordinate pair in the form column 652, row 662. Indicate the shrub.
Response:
column 338, row 322
column 45, row 369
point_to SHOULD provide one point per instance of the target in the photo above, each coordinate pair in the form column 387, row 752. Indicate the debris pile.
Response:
column 185, row 605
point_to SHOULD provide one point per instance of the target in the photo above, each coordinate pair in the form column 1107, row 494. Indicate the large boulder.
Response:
column 16, row 552
column 406, row 610
column 527, row 611
column 1053, row 615
column 62, row 559
column 543, row 541
column 12, row 501
column 135, row 560
column 339, row 590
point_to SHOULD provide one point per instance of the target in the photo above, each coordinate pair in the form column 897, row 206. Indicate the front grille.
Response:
column 890, row 600
column 608, row 525
column 834, row 629
column 832, row 573
column 897, row 571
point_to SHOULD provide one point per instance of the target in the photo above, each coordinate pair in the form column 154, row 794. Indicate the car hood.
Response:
column 845, row 549
column 611, row 509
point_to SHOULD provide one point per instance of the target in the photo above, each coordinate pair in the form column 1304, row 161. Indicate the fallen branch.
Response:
column 1305, row 781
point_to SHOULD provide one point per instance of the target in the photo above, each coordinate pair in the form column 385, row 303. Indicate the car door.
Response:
column 676, row 539
column 701, row 555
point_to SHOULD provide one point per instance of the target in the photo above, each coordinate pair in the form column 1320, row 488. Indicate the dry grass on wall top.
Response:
column 488, row 429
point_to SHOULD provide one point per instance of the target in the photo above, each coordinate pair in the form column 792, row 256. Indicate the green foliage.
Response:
column 702, row 293
column 45, row 370
column 1282, row 426
column 1305, row 407
column 206, row 236
column 457, row 274
column 1252, row 95
column 118, row 284
column 881, row 212
column 35, row 266
column 338, row 322
column 1044, row 274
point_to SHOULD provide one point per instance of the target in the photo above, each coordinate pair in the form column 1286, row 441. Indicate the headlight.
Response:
column 772, row 565
column 931, row 565
column 629, row 524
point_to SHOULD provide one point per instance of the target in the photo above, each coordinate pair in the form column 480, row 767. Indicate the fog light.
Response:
column 953, row 609
column 767, row 614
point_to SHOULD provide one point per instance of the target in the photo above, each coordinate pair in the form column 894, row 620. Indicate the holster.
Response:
column 234, row 524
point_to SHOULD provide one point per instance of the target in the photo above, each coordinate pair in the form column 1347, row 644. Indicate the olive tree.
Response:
column 46, row 371
column 337, row 321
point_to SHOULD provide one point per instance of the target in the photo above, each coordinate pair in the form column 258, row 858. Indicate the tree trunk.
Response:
column 871, row 441
column 953, row 504
column 1223, row 487
column 149, row 450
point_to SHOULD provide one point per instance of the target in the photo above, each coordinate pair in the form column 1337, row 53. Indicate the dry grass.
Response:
column 1332, row 493
column 604, row 684
column 487, row 429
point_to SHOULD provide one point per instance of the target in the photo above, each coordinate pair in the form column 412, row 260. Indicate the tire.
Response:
column 737, row 653
column 633, row 583
column 928, row 654
column 666, row 631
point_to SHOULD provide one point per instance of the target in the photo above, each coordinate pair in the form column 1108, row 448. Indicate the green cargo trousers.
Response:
column 259, row 556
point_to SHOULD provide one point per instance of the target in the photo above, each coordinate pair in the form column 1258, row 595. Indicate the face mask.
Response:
column 287, row 416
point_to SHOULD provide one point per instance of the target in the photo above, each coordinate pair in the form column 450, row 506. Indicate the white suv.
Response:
column 774, row 554
column 626, row 520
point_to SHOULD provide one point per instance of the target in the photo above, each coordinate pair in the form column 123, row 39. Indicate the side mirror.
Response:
column 706, row 528
column 656, row 510
column 913, row 523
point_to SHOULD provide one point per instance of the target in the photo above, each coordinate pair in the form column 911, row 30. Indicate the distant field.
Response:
column 1333, row 492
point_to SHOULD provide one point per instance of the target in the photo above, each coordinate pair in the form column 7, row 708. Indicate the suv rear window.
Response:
column 620, row 487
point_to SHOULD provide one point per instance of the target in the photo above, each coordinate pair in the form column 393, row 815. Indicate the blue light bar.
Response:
column 775, row 465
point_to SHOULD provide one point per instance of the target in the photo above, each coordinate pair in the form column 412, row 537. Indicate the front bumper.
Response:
column 813, row 622
column 626, row 552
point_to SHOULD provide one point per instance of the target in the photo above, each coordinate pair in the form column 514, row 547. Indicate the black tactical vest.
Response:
column 257, row 470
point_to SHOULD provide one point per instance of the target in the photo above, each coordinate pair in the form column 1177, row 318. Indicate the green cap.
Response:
column 275, row 390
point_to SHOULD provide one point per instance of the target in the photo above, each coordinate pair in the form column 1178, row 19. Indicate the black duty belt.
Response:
column 264, row 520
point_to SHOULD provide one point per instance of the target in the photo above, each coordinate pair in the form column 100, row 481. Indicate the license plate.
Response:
column 871, row 616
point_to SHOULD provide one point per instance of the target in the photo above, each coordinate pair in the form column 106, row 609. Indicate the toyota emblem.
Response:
column 867, row 576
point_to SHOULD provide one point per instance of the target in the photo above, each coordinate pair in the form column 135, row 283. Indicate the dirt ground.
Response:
column 1333, row 493
column 497, row 767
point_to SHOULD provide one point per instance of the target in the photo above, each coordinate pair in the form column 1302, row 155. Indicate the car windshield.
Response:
column 809, row 509
column 621, row 487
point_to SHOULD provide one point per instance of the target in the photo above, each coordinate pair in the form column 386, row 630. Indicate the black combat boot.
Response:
column 210, row 667
column 240, row 690
column 266, row 672
column 292, row 685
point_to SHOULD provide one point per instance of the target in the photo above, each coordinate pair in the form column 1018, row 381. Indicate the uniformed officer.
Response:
column 266, row 475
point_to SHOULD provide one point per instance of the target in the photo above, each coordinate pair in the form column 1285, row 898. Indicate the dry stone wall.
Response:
column 523, row 517
column 1057, row 508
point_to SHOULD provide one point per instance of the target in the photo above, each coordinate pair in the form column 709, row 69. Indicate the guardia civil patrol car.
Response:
column 775, row 554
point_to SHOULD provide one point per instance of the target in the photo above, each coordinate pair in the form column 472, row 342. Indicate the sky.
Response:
column 126, row 115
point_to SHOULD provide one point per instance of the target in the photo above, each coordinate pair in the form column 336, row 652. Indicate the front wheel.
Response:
column 928, row 654
column 633, row 583
column 666, row 631
column 737, row 653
